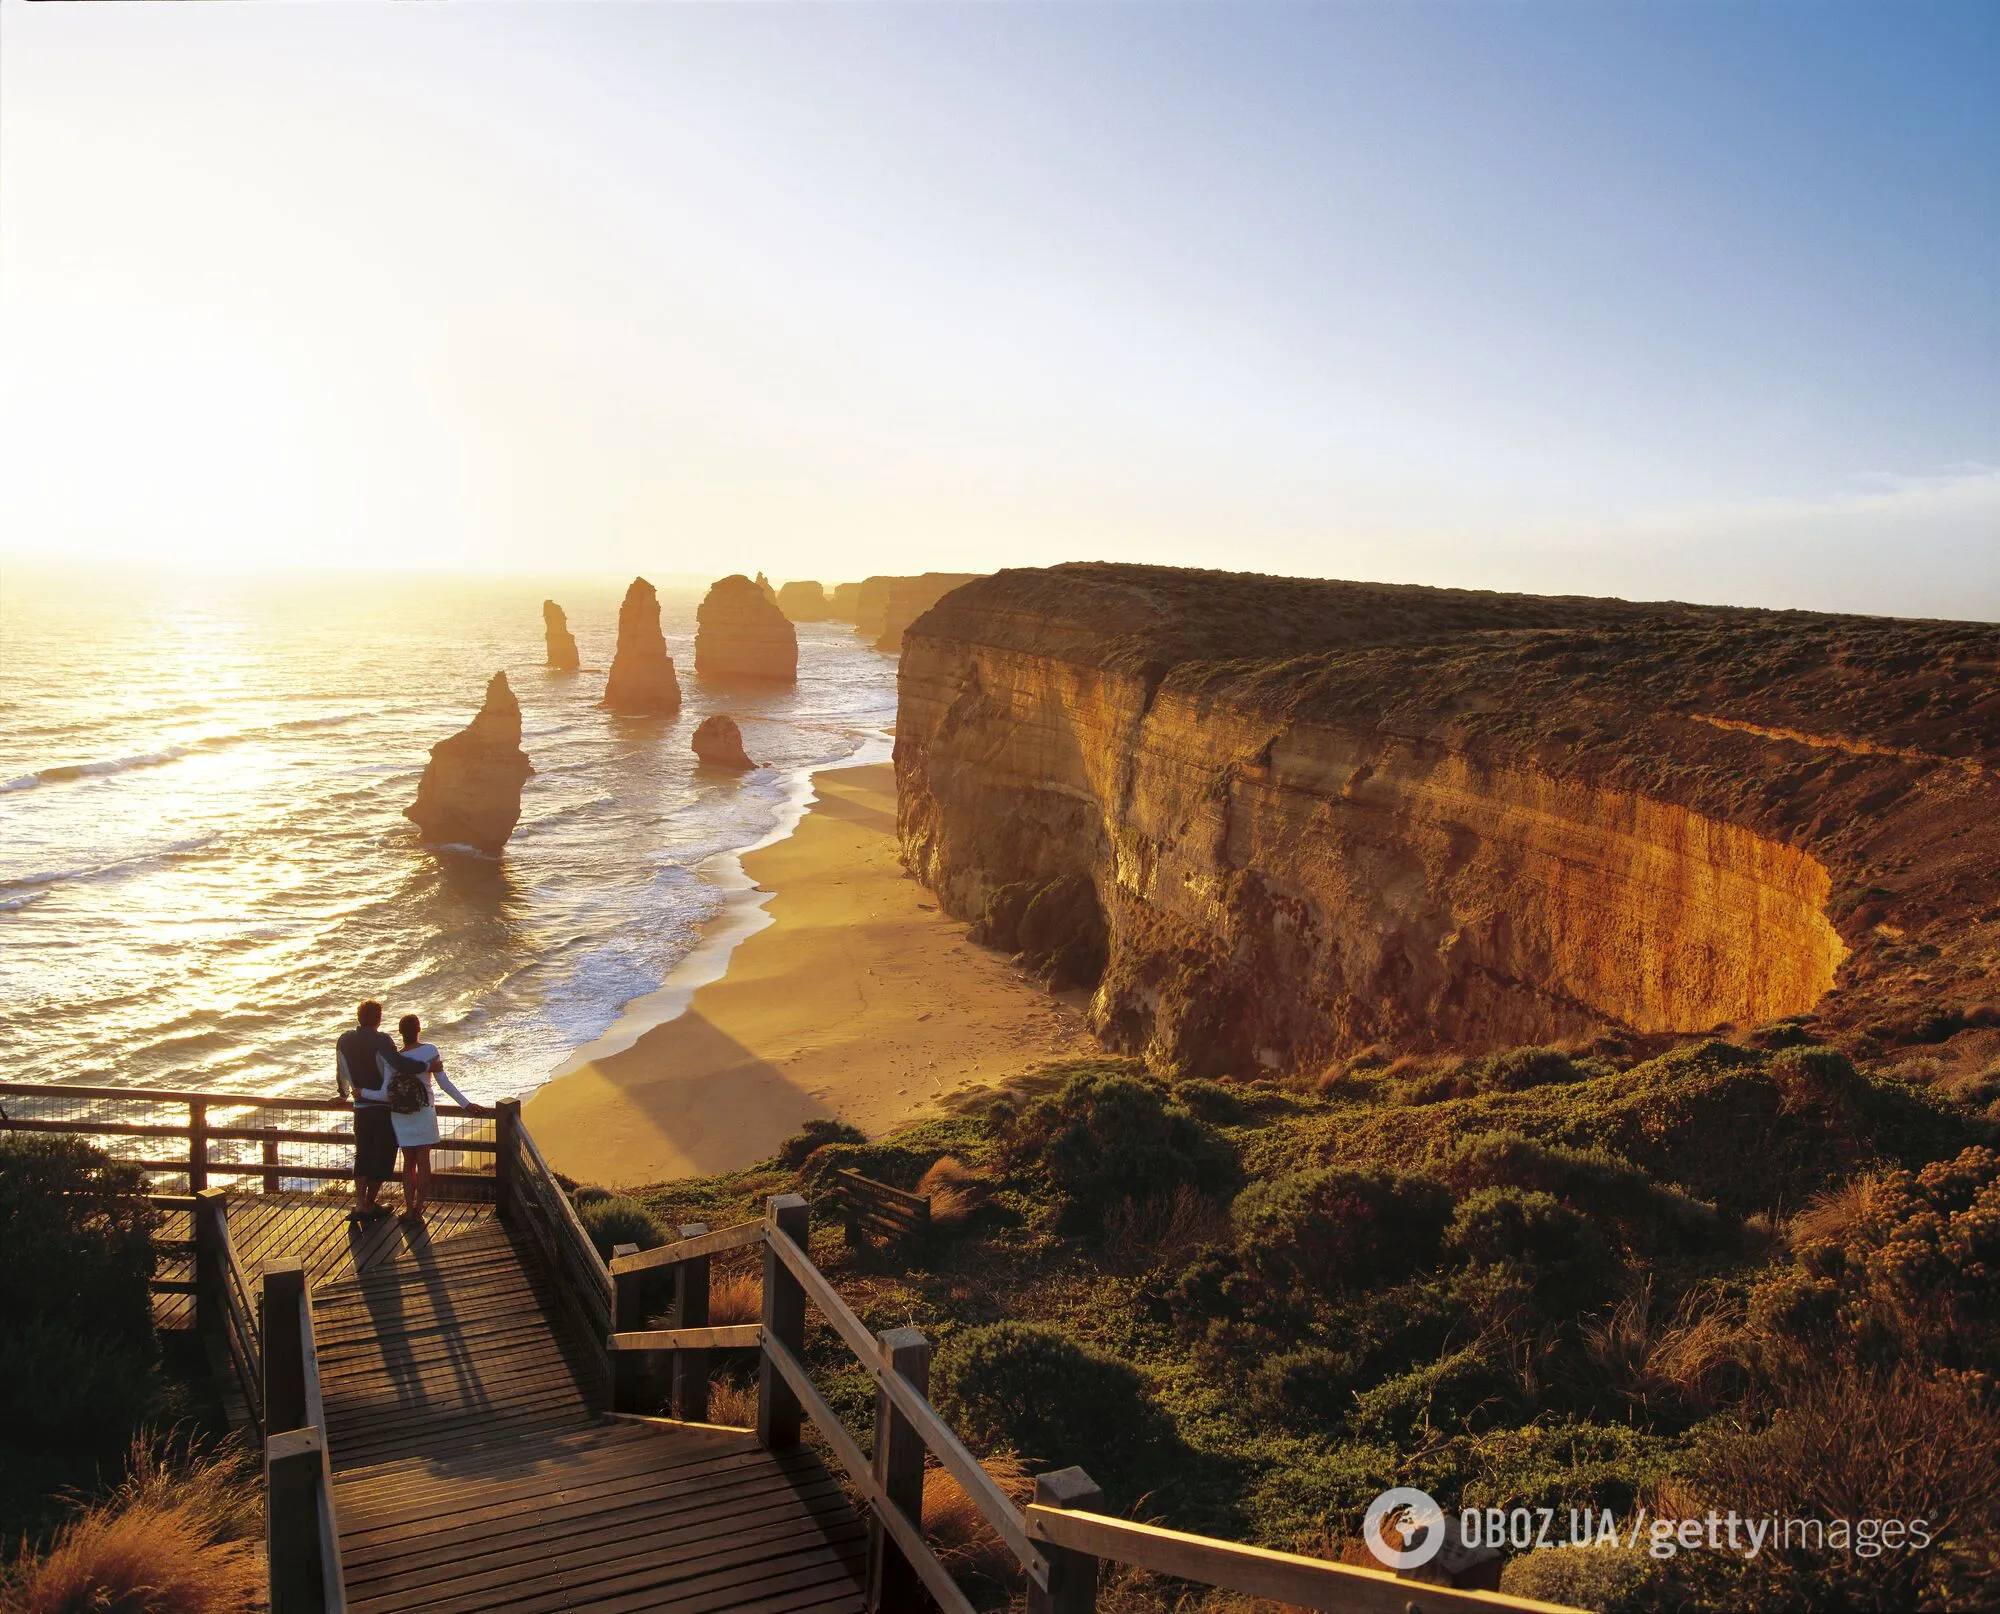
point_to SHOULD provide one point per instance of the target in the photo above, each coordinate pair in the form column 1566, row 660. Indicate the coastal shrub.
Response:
column 1209, row 1101
column 1339, row 1227
column 954, row 1189
column 1709, row 1118
column 1517, row 1069
column 1646, row 1215
column 1032, row 1389
column 1900, row 1267
column 1607, row 1579
column 1466, row 1390
column 59, row 1384
column 1554, row 1250
column 1312, row 1383
column 1162, row 1230
column 1853, row 1445
column 1107, row 1137
column 589, row 1194
column 76, row 1239
column 821, row 1129
column 617, row 1220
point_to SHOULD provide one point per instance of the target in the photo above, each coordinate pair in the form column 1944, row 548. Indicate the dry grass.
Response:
column 1162, row 1229
column 958, row 1532
column 735, row 1297
column 174, row 1538
column 955, row 1191
column 731, row 1404
column 1829, row 1217
column 1685, row 1364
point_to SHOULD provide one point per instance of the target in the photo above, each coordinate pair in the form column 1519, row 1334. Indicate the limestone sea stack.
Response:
column 742, row 637
column 803, row 602
column 642, row 680
column 846, row 602
column 470, row 794
column 562, row 643
column 718, row 743
column 770, row 593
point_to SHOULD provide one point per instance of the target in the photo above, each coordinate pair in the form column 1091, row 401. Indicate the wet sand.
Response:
column 859, row 1000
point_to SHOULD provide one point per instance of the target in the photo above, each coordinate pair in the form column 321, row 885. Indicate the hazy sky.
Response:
column 1669, row 299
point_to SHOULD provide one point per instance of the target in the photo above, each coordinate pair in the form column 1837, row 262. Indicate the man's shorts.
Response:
column 374, row 1142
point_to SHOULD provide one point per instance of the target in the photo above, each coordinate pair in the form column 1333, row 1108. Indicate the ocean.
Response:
column 203, row 860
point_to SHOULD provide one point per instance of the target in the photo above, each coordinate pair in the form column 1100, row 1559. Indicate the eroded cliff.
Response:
column 1315, row 816
column 470, row 792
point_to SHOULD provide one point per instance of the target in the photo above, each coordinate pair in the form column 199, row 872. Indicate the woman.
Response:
column 413, row 1112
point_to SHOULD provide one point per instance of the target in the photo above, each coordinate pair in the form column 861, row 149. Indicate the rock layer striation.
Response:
column 742, row 637
column 1273, row 821
column 562, row 643
column 642, row 680
column 470, row 793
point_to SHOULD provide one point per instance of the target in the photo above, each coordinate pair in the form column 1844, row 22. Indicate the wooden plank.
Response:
column 729, row 1336
column 1283, row 1577
column 666, row 1255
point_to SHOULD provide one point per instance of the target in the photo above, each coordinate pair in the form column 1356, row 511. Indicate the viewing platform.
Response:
column 480, row 1413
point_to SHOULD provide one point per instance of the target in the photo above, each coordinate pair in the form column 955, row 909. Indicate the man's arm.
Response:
column 397, row 1060
column 341, row 1084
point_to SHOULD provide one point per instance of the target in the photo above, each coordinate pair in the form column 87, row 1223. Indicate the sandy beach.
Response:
column 859, row 1000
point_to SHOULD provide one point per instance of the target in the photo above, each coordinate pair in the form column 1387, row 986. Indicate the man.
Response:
column 364, row 1059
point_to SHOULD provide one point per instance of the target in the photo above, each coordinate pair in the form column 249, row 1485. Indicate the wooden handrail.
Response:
column 949, row 1450
column 671, row 1255
column 727, row 1337
column 165, row 1095
column 916, row 1551
column 239, row 1134
column 1283, row 1577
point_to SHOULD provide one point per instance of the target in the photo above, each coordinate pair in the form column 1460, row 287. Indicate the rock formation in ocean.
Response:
column 562, row 643
column 770, row 593
column 803, row 602
column 884, row 606
column 642, row 680
column 470, row 793
column 1271, row 822
column 845, row 604
column 742, row 637
column 718, row 743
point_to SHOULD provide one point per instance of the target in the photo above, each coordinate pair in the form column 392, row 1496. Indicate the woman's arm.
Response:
column 445, row 1082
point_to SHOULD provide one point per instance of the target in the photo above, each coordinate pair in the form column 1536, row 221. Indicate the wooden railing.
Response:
column 302, row 1535
column 109, row 1113
column 534, row 1204
column 1058, row 1540
column 224, row 1306
column 879, row 1210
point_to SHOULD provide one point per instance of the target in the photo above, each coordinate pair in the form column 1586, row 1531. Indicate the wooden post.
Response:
column 294, row 1470
column 506, row 1157
column 691, row 1311
column 778, row 1410
column 284, row 1349
column 893, row 1584
column 628, row 1316
column 1072, row 1574
column 271, row 1179
column 211, row 1302
column 197, row 1145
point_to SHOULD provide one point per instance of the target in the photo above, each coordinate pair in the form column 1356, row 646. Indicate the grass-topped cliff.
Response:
column 1704, row 1275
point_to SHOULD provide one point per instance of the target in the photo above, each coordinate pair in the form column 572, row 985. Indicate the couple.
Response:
column 394, row 1106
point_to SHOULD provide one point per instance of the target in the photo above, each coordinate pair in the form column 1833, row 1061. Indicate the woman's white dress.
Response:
column 419, row 1128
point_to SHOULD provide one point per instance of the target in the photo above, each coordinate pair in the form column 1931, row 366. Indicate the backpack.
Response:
column 407, row 1093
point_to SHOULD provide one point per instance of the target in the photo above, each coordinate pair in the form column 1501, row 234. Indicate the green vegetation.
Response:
column 96, row 1513
column 1749, row 1277
column 612, row 1220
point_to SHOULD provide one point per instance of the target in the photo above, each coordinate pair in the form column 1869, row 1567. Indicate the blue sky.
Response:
column 1689, row 300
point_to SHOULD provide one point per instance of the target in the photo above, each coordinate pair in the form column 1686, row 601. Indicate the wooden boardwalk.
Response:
column 472, row 1471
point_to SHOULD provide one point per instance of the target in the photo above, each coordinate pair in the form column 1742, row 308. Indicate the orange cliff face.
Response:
column 1318, row 816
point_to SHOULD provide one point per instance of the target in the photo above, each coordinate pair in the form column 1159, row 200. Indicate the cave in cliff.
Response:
column 1312, row 817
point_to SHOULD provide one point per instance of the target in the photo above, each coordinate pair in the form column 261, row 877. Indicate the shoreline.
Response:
column 828, row 986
